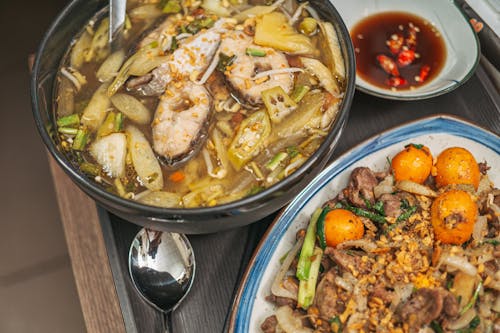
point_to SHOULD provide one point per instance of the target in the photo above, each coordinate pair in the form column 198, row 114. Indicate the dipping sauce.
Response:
column 397, row 50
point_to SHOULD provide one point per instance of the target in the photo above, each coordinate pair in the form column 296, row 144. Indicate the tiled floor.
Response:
column 37, row 290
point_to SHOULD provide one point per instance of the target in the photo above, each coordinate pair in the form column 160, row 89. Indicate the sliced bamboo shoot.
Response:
column 95, row 112
column 132, row 108
column 144, row 160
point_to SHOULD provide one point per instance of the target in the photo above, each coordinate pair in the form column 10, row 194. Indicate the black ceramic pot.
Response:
column 196, row 220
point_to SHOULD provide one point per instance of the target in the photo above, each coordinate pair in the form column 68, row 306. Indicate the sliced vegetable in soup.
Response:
column 206, row 102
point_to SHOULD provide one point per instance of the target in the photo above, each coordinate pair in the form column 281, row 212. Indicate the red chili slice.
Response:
column 388, row 65
column 406, row 57
column 396, row 81
column 424, row 73
column 395, row 43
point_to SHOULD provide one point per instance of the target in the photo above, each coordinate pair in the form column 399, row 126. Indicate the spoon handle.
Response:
column 167, row 322
column 117, row 12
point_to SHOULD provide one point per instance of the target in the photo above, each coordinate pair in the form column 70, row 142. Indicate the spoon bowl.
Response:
column 162, row 268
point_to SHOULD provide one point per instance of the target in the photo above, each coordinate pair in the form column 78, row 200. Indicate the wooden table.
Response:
column 98, row 242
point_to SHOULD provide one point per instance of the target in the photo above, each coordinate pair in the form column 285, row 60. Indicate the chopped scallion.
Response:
column 80, row 140
column 255, row 52
column 91, row 169
column 67, row 130
column 276, row 160
column 69, row 121
column 299, row 92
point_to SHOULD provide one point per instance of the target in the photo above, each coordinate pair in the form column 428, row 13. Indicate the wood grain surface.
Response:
column 89, row 260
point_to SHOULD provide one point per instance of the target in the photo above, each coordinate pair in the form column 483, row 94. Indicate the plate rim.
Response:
column 438, row 123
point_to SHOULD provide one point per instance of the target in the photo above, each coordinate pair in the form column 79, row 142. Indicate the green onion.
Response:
column 293, row 151
column 304, row 264
column 256, row 170
column 336, row 324
column 174, row 44
column 307, row 288
column 436, row 327
column 320, row 230
column 255, row 52
column 299, row 92
column 118, row 122
column 224, row 61
column 473, row 299
column 406, row 214
column 91, row 169
column 276, row 160
column 69, row 121
column 67, row 130
column 80, row 140
column 379, row 207
column 255, row 190
column 365, row 213
column 494, row 242
column 172, row 6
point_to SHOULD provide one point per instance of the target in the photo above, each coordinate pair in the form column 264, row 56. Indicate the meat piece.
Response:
column 427, row 304
column 269, row 325
column 348, row 261
column 380, row 291
column 392, row 204
column 326, row 295
column 360, row 188
column 280, row 301
column 450, row 303
column 483, row 167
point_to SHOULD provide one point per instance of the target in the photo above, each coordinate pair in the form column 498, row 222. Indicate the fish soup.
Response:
column 204, row 103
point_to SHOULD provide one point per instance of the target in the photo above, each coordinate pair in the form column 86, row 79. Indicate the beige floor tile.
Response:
column 44, row 303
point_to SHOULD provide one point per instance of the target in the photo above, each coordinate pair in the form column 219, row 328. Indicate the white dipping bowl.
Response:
column 462, row 44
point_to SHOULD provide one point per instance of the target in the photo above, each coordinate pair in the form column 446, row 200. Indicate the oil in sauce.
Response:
column 383, row 38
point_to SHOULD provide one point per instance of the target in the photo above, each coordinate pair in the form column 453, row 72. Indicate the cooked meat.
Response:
column 427, row 304
column 392, row 204
column 361, row 185
column 380, row 291
column 450, row 303
column 326, row 295
column 269, row 325
column 348, row 261
column 280, row 301
column 483, row 167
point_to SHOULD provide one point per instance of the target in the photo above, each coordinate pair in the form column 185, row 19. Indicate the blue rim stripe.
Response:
column 432, row 125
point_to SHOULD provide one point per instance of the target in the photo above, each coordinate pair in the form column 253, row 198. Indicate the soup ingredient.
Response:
column 453, row 215
column 273, row 30
column 110, row 152
column 249, row 139
column 160, row 199
column 110, row 67
column 180, row 118
column 95, row 112
column 412, row 163
column 144, row 160
column 132, row 108
column 397, row 50
column 457, row 165
column 338, row 226
column 192, row 56
column 247, row 75
column 308, row 26
column 278, row 103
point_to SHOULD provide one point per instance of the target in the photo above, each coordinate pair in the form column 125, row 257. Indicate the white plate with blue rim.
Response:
column 461, row 43
column 439, row 132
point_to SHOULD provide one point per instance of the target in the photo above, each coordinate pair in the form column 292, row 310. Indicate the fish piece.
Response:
column 193, row 56
column 161, row 32
column 241, row 74
column 180, row 120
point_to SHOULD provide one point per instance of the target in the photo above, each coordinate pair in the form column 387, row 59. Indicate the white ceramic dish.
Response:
column 438, row 132
column 461, row 42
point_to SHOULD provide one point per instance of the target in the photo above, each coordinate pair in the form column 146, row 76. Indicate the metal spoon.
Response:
column 117, row 12
column 162, row 267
